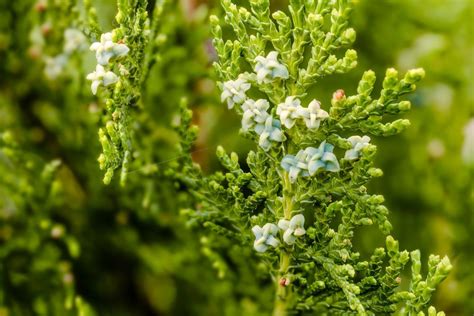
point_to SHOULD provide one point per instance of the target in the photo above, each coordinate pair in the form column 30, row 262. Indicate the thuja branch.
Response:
column 124, row 58
column 304, row 194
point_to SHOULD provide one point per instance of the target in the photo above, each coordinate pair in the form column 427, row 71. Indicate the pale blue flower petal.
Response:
column 297, row 221
column 260, row 247
column 284, row 224
column 288, row 237
column 272, row 241
column 314, row 166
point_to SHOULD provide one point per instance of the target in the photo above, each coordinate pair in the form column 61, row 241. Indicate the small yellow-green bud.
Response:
column 279, row 15
column 234, row 158
column 220, row 151
column 101, row 161
column 244, row 13
column 386, row 227
column 366, row 84
column 315, row 19
column 350, row 54
column 404, row 106
column 445, row 266
column 391, row 78
column 376, row 199
column 392, row 245
column 366, row 221
column 414, row 75
column 431, row 311
column 375, row 172
column 214, row 20
column 349, row 36
column 108, row 176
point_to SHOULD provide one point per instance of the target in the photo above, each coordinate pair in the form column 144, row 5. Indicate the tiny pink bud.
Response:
column 284, row 282
column 338, row 95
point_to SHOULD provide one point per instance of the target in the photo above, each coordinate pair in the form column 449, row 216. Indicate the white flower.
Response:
column 293, row 228
column 270, row 131
column 358, row 143
column 268, row 68
column 265, row 237
column 233, row 92
column 295, row 165
column 100, row 76
column 255, row 113
column 55, row 66
column 106, row 49
column 313, row 114
column 288, row 111
column 74, row 40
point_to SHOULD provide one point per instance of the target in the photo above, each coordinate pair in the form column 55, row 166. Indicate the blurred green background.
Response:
column 64, row 235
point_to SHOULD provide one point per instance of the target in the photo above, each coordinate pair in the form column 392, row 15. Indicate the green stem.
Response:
column 283, row 291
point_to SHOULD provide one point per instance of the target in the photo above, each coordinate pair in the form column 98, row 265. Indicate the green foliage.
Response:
column 139, row 34
column 36, row 250
column 71, row 246
column 317, row 268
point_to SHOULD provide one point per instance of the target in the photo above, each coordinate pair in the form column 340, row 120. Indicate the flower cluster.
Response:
column 267, row 235
column 257, row 118
column 105, row 50
column 308, row 161
column 270, row 131
column 101, row 76
column 292, row 228
column 255, row 113
column 74, row 41
column 330, row 277
column 233, row 92
column 268, row 68
column 54, row 66
column 291, row 110
column 358, row 143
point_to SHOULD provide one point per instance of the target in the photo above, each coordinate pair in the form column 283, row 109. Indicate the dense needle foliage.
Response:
column 111, row 202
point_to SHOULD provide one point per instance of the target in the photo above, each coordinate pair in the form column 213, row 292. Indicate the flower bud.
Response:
column 244, row 13
column 315, row 19
column 375, row 172
column 338, row 95
column 108, row 176
column 404, row 106
column 392, row 246
column 391, row 79
column 414, row 75
column 349, row 36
